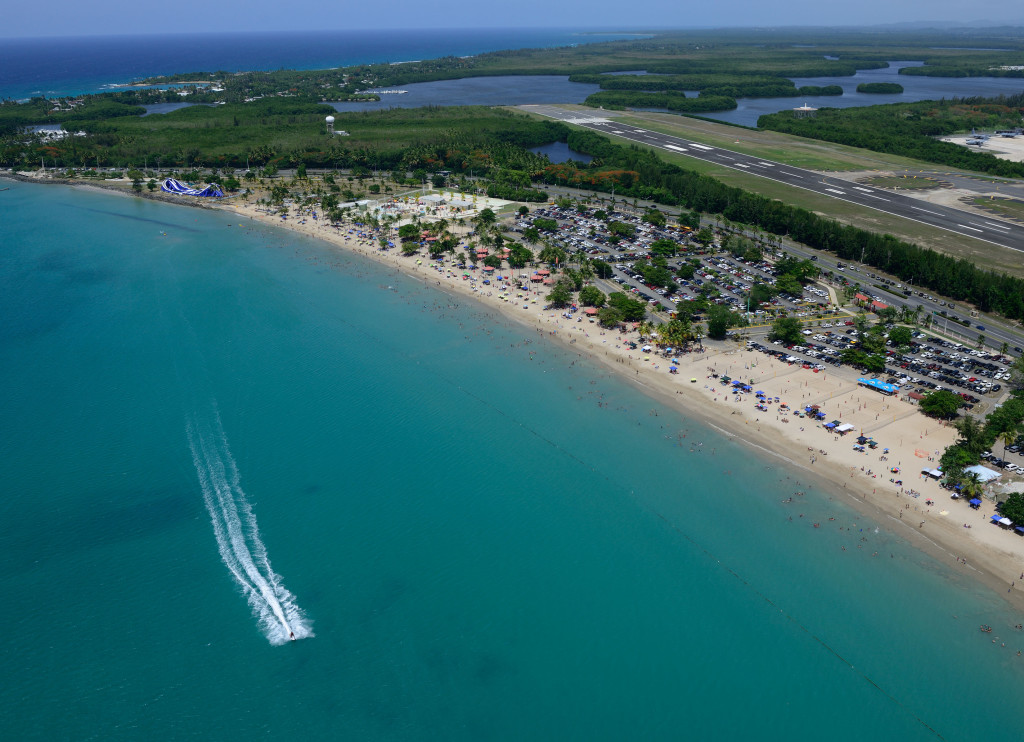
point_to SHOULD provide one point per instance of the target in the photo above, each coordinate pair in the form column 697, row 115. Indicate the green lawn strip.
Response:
column 908, row 183
column 1008, row 207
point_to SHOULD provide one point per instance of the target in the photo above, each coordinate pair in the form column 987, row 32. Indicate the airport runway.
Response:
column 995, row 231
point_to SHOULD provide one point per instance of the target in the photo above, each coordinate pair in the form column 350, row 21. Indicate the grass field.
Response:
column 904, row 182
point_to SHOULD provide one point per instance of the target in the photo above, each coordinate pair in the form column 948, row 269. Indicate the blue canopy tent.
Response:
column 975, row 503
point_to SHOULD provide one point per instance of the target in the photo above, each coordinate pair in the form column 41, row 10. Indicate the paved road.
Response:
column 950, row 219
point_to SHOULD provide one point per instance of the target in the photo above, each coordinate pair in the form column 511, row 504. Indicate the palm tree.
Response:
column 971, row 485
column 645, row 329
column 1008, row 437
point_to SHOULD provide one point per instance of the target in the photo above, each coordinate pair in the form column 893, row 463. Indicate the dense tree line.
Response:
column 618, row 99
column 885, row 88
column 736, row 86
column 909, row 129
column 636, row 172
column 287, row 132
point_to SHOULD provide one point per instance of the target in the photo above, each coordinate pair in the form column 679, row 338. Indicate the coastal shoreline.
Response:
column 988, row 553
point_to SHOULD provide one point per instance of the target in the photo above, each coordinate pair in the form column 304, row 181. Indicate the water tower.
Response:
column 330, row 124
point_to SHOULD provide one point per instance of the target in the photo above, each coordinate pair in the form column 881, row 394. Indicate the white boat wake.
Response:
column 238, row 538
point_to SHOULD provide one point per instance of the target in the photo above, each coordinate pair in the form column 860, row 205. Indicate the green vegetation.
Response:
column 1013, row 507
column 910, row 129
column 887, row 88
column 630, row 310
column 677, row 102
column 786, row 329
column 281, row 132
column 942, row 404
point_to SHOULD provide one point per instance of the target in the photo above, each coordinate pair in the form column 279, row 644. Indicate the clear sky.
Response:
column 77, row 18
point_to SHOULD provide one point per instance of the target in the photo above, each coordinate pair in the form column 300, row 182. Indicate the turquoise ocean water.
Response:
column 211, row 431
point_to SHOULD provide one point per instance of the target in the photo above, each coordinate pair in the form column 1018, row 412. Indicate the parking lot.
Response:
column 730, row 278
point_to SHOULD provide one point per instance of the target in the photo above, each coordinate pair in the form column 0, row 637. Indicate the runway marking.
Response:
column 674, row 147
column 792, row 175
column 858, row 188
column 730, row 159
column 701, row 146
column 926, row 211
column 996, row 226
column 836, row 190
column 973, row 229
column 767, row 164
column 880, row 198
column 740, row 164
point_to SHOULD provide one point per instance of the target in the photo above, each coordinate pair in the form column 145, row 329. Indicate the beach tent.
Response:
column 845, row 427
column 975, row 503
column 933, row 473
column 984, row 473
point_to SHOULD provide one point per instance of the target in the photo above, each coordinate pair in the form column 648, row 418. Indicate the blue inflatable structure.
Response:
column 172, row 186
